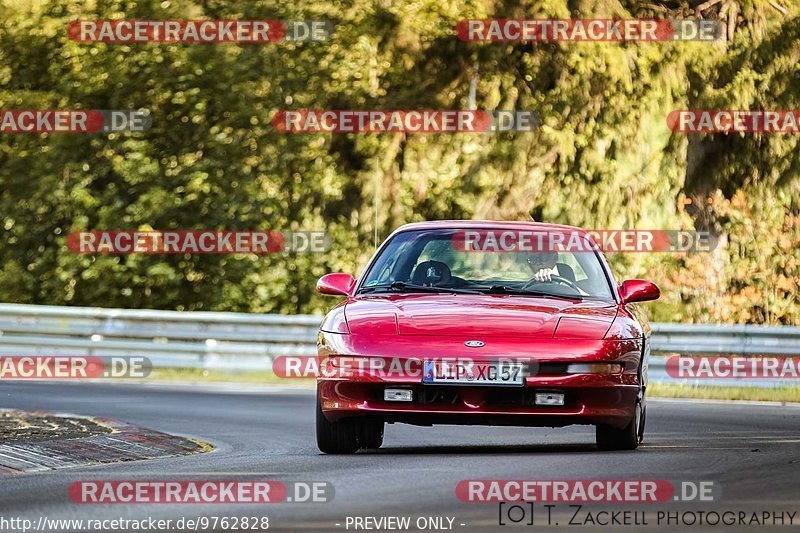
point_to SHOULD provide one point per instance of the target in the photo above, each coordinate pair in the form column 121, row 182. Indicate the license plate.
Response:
column 444, row 372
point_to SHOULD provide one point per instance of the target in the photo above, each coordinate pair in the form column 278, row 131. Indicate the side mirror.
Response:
column 336, row 284
column 638, row 290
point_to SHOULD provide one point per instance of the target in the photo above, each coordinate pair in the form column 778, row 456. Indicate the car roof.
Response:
column 488, row 224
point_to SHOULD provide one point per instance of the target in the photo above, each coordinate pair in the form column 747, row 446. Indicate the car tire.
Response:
column 640, row 435
column 370, row 434
column 609, row 438
column 336, row 437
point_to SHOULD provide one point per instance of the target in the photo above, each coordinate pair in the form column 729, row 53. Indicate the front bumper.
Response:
column 589, row 399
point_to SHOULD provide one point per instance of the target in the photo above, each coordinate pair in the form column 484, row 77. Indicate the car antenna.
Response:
column 375, row 201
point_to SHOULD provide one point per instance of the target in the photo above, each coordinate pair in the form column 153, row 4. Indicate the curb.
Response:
column 126, row 442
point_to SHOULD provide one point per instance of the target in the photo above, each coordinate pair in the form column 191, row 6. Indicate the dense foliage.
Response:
column 604, row 156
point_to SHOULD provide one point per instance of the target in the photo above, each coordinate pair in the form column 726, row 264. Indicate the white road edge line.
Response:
column 724, row 402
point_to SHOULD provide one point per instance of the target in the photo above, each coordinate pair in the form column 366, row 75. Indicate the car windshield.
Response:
column 436, row 261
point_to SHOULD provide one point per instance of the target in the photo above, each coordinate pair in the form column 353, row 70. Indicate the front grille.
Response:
column 436, row 395
column 494, row 396
column 549, row 369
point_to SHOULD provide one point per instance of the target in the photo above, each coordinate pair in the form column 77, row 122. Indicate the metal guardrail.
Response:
column 236, row 341
column 240, row 341
column 736, row 339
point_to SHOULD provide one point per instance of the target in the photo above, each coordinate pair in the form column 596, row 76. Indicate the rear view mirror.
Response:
column 638, row 290
column 337, row 284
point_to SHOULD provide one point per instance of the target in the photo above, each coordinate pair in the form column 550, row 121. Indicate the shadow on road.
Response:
column 485, row 449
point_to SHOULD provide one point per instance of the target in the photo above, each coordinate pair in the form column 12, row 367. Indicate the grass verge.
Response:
column 674, row 390
column 199, row 375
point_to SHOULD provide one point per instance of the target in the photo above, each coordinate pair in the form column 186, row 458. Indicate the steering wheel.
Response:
column 432, row 274
column 553, row 278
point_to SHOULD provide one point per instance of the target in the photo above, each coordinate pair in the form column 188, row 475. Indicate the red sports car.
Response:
column 483, row 323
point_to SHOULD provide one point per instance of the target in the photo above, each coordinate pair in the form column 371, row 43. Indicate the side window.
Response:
column 386, row 268
column 385, row 275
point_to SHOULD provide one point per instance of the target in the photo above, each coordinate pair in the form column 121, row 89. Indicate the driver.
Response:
column 543, row 265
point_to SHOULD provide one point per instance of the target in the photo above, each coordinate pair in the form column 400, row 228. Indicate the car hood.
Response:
column 469, row 315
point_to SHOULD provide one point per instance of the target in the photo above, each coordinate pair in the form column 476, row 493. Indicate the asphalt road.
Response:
column 750, row 450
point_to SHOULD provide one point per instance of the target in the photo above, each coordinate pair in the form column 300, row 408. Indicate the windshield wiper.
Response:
column 401, row 286
column 505, row 289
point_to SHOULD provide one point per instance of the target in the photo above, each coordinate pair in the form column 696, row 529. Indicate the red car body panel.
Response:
column 547, row 332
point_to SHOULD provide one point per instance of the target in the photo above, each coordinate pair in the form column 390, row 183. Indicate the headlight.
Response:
column 594, row 368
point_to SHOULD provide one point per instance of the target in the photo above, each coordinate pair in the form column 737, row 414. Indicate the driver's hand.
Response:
column 543, row 274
